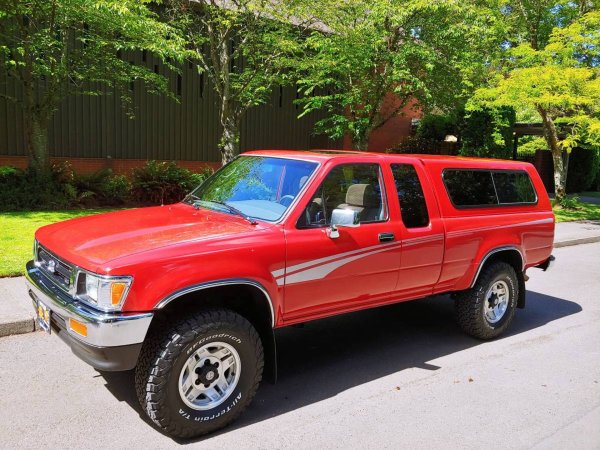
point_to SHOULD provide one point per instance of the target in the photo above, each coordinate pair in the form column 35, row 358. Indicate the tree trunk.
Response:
column 560, row 169
column 36, row 139
column 36, row 121
column 38, row 142
column 360, row 141
column 230, row 140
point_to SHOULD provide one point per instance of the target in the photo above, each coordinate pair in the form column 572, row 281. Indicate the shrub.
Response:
column 583, row 169
column 26, row 190
column 570, row 202
column 436, row 127
column 414, row 144
column 488, row 133
column 162, row 183
column 101, row 188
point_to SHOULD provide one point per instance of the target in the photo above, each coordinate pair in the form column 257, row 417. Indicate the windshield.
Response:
column 257, row 186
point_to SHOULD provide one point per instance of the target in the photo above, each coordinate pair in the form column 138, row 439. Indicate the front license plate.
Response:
column 43, row 316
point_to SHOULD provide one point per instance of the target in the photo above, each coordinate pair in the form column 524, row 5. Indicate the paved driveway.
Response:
column 397, row 377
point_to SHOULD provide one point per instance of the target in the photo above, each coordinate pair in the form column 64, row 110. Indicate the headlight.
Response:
column 104, row 292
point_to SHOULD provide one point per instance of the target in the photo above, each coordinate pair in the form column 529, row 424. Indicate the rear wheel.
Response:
column 486, row 310
column 200, row 374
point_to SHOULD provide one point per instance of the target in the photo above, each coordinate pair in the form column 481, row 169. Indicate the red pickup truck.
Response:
column 189, row 294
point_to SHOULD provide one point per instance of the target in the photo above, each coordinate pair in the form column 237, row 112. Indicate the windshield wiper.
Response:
column 231, row 209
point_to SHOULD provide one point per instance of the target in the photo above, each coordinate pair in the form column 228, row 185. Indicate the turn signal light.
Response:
column 116, row 293
column 78, row 327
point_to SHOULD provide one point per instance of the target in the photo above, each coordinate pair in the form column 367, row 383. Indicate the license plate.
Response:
column 43, row 316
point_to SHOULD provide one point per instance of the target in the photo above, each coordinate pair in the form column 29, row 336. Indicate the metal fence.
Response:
column 98, row 127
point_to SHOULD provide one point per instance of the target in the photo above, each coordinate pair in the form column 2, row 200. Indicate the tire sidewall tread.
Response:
column 164, row 354
column 469, row 304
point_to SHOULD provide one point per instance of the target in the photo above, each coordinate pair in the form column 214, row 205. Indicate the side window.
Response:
column 514, row 187
column 470, row 187
column 348, row 186
column 473, row 187
column 413, row 206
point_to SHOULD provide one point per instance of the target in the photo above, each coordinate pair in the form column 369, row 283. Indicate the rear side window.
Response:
column 471, row 188
column 514, row 187
column 410, row 195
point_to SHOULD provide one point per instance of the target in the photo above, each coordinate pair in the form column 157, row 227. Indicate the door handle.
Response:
column 386, row 237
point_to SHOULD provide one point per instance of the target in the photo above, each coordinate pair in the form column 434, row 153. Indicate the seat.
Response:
column 363, row 199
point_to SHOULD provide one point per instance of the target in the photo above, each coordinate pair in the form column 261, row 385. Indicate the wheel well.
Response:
column 510, row 256
column 247, row 300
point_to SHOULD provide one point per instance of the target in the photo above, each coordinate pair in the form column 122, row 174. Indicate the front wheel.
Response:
column 200, row 374
column 486, row 310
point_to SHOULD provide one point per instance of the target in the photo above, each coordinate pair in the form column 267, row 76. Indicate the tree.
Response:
column 244, row 51
column 560, row 83
column 429, row 52
column 55, row 48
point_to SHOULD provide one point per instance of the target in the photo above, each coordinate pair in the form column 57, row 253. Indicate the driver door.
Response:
column 325, row 273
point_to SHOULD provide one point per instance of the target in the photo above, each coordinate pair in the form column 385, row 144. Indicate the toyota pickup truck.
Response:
column 189, row 294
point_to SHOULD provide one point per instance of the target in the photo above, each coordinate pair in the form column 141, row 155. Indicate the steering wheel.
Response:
column 286, row 200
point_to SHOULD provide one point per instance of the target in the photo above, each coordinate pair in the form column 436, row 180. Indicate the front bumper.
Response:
column 113, row 340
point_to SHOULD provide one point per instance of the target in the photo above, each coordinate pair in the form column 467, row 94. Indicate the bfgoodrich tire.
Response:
column 486, row 310
column 200, row 373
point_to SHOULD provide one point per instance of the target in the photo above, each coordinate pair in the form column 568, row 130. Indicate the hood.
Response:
column 94, row 240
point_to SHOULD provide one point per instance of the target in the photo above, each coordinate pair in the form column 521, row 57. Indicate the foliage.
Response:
column 583, row 168
column 20, row 190
column 62, row 188
column 437, row 126
column 163, row 182
column 487, row 132
column 243, row 49
column 428, row 52
column 102, row 188
column 568, row 202
column 558, row 80
column 18, row 229
column 423, row 146
column 60, row 47
column 528, row 145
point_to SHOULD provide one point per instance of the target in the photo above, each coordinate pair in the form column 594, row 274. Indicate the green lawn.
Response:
column 16, row 235
column 586, row 211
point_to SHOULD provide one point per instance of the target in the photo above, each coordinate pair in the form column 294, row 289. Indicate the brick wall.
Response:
column 118, row 166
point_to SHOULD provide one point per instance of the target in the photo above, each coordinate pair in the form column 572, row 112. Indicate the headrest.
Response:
column 362, row 195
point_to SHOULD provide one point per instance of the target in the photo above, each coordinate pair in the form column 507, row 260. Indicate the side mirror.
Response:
column 342, row 218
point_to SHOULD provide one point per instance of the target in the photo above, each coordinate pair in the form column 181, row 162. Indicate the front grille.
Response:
column 54, row 268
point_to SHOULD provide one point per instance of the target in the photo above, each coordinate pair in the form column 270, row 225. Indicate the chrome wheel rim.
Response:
column 209, row 376
column 496, row 301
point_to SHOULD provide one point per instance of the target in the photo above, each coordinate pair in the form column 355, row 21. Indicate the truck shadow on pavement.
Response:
column 331, row 355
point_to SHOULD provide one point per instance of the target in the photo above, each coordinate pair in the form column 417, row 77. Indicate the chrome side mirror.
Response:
column 342, row 218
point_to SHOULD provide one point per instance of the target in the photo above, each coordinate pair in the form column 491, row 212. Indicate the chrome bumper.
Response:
column 104, row 330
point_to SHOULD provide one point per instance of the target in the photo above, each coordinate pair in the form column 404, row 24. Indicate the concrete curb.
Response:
column 18, row 327
column 29, row 324
column 588, row 240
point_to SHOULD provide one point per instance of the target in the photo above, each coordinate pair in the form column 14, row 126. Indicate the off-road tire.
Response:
column 164, row 354
column 469, row 304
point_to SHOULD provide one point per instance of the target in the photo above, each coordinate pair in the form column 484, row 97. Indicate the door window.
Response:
column 356, row 187
column 413, row 206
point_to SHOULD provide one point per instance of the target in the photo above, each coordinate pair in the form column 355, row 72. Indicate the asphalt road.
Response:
column 397, row 377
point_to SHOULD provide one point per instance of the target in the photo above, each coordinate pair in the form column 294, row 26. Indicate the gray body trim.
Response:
column 228, row 282
column 493, row 251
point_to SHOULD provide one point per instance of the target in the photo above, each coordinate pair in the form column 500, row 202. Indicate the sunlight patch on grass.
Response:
column 585, row 211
